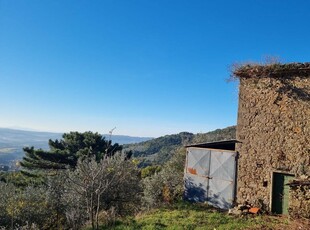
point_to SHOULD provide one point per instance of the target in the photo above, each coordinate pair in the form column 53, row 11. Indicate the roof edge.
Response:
column 232, row 141
column 275, row 70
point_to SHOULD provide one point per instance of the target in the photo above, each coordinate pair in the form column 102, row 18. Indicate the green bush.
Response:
column 165, row 186
column 150, row 170
column 24, row 207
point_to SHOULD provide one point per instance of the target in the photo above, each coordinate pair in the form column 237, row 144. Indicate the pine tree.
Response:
column 64, row 153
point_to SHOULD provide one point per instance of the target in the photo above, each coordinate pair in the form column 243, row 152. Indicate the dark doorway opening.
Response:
column 280, row 193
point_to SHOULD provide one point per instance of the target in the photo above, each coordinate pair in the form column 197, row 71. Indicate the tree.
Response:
column 165, row 186
column 64, row 153
column 96, row 186
column 55, row 192
column 23, row 207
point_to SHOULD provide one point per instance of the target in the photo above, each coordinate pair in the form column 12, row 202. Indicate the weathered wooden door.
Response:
column 280, row 193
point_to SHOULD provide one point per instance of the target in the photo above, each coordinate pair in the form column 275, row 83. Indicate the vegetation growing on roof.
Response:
column 291, row 79
column 272, row 70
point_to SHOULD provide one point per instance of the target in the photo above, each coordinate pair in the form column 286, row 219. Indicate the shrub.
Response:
column 94, row 187
column 150, row 170
column 6, row 191
column 23, row 207
column 165, row 186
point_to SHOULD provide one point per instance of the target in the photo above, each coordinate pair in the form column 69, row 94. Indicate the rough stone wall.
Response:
column 299, row 205
column 274, row 128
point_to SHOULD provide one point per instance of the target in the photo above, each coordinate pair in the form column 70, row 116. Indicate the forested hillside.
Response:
column 159, row 150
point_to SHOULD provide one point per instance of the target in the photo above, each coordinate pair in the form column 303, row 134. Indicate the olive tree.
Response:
column 96, row 186
column 165, row 186
column 23, row 206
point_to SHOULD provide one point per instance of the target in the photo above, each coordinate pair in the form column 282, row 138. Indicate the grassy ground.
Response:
column 188, row 216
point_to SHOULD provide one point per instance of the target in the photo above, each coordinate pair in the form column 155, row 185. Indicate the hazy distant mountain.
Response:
column 12, row 141
column 12, row 138
column 157, row 150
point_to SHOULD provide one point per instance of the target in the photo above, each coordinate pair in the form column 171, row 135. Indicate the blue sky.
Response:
column 147, row 67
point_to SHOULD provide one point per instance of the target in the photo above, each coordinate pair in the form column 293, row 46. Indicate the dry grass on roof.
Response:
column 274, row 70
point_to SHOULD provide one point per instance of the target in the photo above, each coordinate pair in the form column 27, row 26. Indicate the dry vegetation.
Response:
column 273, row 70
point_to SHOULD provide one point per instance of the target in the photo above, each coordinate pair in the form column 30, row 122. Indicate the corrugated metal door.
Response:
column 221, row 189
column 210, row 175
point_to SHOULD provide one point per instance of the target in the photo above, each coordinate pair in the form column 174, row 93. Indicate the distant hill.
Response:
column 123, row 139
column 155, row 151
column 159, row 150
column 12, row 142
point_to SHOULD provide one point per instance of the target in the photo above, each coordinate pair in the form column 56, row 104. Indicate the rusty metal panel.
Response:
column 210, row 176
column 198, row 161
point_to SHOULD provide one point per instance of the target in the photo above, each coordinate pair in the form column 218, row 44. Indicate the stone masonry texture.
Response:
column 274, row 130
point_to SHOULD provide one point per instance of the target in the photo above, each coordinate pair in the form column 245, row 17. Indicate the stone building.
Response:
column 274, row 130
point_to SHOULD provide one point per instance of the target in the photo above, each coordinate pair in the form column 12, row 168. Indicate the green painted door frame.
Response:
column 280, row 192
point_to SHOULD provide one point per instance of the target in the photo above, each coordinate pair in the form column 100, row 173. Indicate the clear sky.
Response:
column 146, row 67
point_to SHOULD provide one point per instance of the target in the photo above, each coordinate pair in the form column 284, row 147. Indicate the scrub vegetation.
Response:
column 86, row 182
